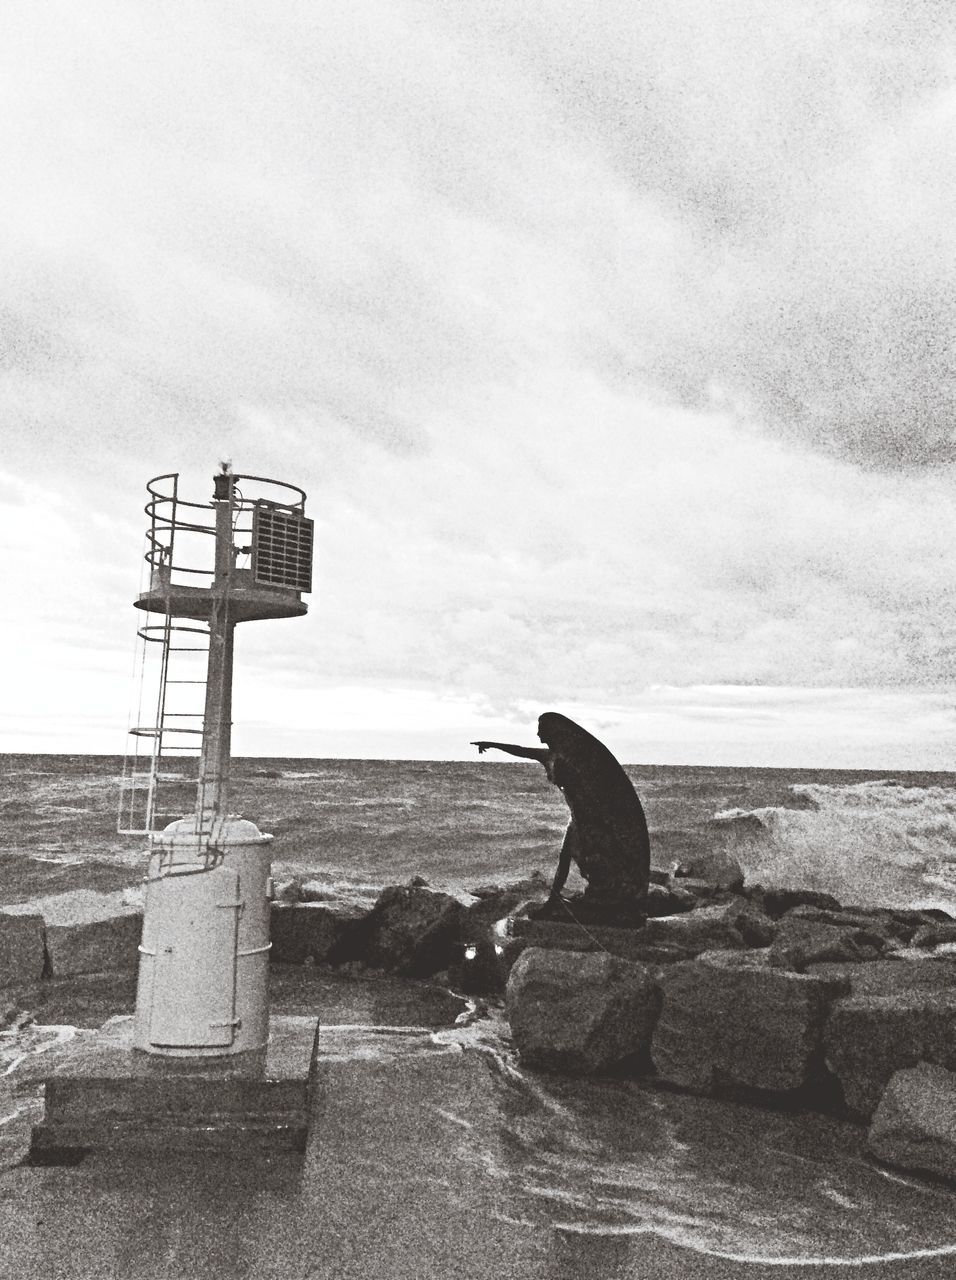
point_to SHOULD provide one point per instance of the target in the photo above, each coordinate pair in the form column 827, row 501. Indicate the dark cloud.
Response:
column 800, row 159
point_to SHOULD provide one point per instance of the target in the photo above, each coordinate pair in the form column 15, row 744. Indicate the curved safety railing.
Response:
column 271, row 550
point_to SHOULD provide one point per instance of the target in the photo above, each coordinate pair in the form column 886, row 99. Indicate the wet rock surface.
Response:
column 806, row 941
column 22, row 951
column 307, row 932
column 87, row 932
column 411, row 930
column 868, row 1038
column 736, row 924
column 914, row 1126
column 734, row 1019
column 715, row 867
column 581, row 1012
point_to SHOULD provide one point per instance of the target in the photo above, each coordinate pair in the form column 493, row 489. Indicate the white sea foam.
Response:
column 869, row 842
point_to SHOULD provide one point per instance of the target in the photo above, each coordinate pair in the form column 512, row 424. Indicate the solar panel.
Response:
column 281, row 548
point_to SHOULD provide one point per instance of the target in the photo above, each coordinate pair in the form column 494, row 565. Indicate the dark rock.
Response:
column 87, row 932
column 308, row 931
column 731, row 1019
column 669, row 900
column 411, row 930
column 483, row 967
column 629, row 944
column 914, row 1126
column 870, row 1037
column 800, row 800
column 933, row 935
column 740, row 822
column 813, row 941
column 22, row 953
column 701, row 890
column 581, row 1012
column 536, row 885
column 717, row 867
column 487, row 950
column 776, row 902
column 886, row 977
column 495, row 903
column 737, row 924
column 877, row 923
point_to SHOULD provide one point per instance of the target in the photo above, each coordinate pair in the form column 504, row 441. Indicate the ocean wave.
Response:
column 872, row 842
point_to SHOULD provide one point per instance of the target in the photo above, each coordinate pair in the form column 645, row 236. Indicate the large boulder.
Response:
column 806, row 941
column 495, row 901
column 890, row 977
column 731, row 925
column 670, row 899
column 717, row 867
column 914, row 1126
column 881, row 926
column 304, row 932
column 411, row 930
column 732, row 1019
column 868, row 1038
column 934, row 934
column 776, row 902
column 22, row 954
column 580, row 1011
column 87, row 932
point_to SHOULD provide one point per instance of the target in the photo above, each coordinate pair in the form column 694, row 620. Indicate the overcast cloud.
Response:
column 613, row 344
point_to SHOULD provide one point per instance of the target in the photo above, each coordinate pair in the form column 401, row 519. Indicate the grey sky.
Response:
column 613, row 344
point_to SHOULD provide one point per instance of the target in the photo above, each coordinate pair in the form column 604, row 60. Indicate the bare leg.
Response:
column 569, row 850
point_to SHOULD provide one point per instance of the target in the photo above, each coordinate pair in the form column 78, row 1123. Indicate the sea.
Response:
column 608, row 1159
column 358, row 825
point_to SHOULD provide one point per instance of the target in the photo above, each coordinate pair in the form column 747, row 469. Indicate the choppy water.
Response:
column 609, row 1158
column 360, row 824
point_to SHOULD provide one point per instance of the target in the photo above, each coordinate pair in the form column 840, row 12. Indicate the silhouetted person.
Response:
column 607, row 835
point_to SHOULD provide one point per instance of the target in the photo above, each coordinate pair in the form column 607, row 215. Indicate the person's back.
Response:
column 613, row 843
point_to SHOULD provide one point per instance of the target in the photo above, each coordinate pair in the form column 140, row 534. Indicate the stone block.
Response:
column 776, row 902
column 87, row 932
column 307, row 931
column 914, row 1125
column 732, row 1019
column 717, row 867
column 580, row 1011
column 730, row 925
column 934, row 935
column 811, row 941
column 629, row 944
column 891, row 976
column 22, row 954
column 879, row 924
column 868, row 1038
column 411, row 930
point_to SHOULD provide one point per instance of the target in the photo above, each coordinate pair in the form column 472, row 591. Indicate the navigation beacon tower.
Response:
column 204, row 957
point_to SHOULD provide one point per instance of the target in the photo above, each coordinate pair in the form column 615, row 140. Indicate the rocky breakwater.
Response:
column 781, row 997
column 68, row 934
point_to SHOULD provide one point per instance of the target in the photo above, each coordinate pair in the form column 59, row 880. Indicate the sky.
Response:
column 612, row 343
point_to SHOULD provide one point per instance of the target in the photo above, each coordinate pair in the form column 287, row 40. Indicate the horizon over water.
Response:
column 359, row 824
column 609, row 1158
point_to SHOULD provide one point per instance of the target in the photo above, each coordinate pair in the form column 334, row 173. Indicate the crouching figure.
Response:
column 607, row 835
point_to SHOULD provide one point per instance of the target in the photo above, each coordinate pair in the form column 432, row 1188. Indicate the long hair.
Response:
column 607, row 812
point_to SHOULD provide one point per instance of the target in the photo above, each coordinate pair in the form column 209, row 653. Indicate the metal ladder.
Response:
column 153, row 791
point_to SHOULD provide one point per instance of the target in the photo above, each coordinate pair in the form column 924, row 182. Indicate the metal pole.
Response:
column 217, row 718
